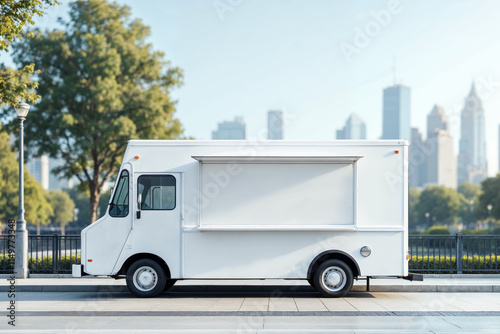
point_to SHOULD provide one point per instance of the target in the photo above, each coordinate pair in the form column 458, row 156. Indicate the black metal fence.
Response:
column 47, row 254
column 454, row 254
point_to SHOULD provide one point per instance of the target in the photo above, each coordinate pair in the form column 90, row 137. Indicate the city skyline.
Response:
column 235, row 129
column 242, row 62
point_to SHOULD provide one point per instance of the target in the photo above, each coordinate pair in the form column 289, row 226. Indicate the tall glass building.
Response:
column 354, row 128
column 275, row 124
column 472, row 161
column 396, row 113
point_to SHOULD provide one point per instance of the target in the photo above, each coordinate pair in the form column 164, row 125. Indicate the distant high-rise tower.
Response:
column 417, row 167
column 275, row 124
column 56, row 182
column 441, row 161
column 396, row 113
column 230, row 130
column 39, row 169
column 472, row 162
column 354, row 128
column 436, row 120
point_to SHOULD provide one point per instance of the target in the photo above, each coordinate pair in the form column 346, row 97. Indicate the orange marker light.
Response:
column 408, row 257
column 89, row 260
column 397, row 152
column 136, row 157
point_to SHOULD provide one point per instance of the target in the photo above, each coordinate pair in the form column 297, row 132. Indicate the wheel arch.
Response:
column 139, row 256
column 334, row 254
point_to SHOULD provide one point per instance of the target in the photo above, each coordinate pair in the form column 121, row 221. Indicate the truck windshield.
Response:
column 119, row 205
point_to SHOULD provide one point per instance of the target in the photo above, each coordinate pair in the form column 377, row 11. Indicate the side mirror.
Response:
column 139, row 202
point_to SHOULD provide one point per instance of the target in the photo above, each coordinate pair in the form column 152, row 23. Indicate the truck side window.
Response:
column 158, row 192
column 119, row 205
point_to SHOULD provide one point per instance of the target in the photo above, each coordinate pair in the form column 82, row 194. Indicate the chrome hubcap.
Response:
column 145, row 278
column 333, row 278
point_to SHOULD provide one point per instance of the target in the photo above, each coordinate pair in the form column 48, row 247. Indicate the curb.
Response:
column 255, row 289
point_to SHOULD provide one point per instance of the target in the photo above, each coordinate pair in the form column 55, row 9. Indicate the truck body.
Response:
column 323, row 211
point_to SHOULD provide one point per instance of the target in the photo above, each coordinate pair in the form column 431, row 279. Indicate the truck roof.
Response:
column 147, row 142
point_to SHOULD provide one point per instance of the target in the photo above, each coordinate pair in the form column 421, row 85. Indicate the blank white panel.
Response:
column 277, row 194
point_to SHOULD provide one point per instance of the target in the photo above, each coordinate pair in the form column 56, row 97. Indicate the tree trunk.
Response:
column 63, row 229
column 38, row 229
column 95, row 195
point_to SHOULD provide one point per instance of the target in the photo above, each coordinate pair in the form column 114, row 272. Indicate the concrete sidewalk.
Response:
column 431, row 283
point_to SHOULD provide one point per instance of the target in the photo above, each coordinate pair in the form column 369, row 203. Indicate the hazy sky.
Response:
column 244, row 57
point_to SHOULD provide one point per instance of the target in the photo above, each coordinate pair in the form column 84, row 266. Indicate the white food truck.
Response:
column 327, row 212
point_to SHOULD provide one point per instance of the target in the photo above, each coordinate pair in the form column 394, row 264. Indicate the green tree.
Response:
column 36, row 205
column 490, row 195
column 441, row 203
column 81, row 201
column 38, row 208
column 413, row 197
column 469, row 190
column 102, row 84
column 63, row 207
column 469, row 202
column 15, row 15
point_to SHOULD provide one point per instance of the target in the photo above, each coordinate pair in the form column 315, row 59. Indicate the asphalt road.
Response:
column 252, row 312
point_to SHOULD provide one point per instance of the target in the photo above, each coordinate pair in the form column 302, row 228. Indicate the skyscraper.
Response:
column 441, row 161
column 56, row 182
column 472, row 162
column 354, row 128
column 39, row 169
column 417, row 162
column 396, row 113
column 275, row 124
column 433, row 161
column 230, row 130
column 436, row 120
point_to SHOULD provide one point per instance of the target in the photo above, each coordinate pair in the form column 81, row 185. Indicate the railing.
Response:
column 454, row 254
column 429, row 254
column 47, row 254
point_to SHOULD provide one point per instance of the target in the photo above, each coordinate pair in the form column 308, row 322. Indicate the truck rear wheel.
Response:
column 146, row 278
column 333, row 278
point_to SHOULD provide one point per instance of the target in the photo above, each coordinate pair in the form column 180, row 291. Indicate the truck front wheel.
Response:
column 333, row 278
column 146, row 278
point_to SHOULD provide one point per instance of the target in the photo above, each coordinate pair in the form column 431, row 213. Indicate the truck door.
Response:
column 157, row 228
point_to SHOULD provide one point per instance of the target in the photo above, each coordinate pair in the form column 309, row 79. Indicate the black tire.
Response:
column 170, row 283
column 333, row 278
column 146, row 278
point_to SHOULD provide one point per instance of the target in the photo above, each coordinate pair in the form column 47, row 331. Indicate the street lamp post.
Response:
column 21, row 264
column 489, row 207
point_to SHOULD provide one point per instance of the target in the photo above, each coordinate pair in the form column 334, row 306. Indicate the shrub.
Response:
column 437, row 230
column 475, row 232
column 44, row 264
column 439, row 264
